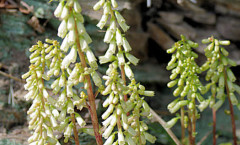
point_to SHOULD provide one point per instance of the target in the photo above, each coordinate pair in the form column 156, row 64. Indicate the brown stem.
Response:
column 231, row 109
column 91, row 97
column 12, row 77
column 139, row 132
column 124, row 80
column 214, row 126
column 163, row 123
column 204, row 138
column 75, row 132
column 190, row 129
column 182, row 125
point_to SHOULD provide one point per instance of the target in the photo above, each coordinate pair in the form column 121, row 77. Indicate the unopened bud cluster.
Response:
column 121, row 113
column 185, row 77
column 219, row 74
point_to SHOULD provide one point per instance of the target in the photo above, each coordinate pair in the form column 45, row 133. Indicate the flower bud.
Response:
column 119, row 37
column 70, row 107
column 65, row 45
column 171, row 50
column 87, row 37
column 90, row 56
column 230, row 86
column 114, row 3
column 130, row 75
column 224, row 42
column 233, row 99
column 210, row 47
column 126, row 45
column 224, row 51
column 107, row 121
column 70, row 23
column 59, row 9
column 203, row 105
column 102, row 21
column 113, row 25
column 65, row 13
column 173, row 76
column 114, row 119
column 177, row 91
column 96, row 79
column 71, row 37
column 98, row 5
column 230, row 75
column 53, row 121
column 108, row 111
column 108, row 36
column 217, row 105
column 237, row 88
column 80, row 120
column 77, row 7
column 150, row 137
column 62, row 29
column 110, row 140
column 68, row 131
column 172, row 122
column 121, row 60
column 132, row 59
column 231, row 62
column 224, row 60
column 121, row 140
column 148, row 93
column 108, row 131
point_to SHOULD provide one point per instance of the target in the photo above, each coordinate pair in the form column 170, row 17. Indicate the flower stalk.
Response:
column 222, row 80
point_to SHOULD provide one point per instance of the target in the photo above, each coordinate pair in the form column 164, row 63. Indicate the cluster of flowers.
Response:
column 47, row 113
column 218, row 73
column 183, row 64
column 121, row 113
column 50, row 60
column 55, row 63
column 218, row 65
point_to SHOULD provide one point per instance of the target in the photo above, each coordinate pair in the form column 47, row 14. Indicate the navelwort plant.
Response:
column 185, row 76
column 222, row 80
column 57, row 108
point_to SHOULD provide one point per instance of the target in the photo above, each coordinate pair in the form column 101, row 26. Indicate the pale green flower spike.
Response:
column 219, row 73
column 121, row 113
column 51, row 60
column 185, row 79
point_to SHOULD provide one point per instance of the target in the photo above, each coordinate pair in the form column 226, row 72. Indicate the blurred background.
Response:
column 154, row 29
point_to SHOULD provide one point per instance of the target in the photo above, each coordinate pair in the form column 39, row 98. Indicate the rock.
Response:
column 138, row 42
column 177, row 29
column 151, row 72
column 203, row 18
column 228, row 7
column 158, row 35
column 228, row 27
column 133, row 19
column 96, row 15
column 171, row 17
